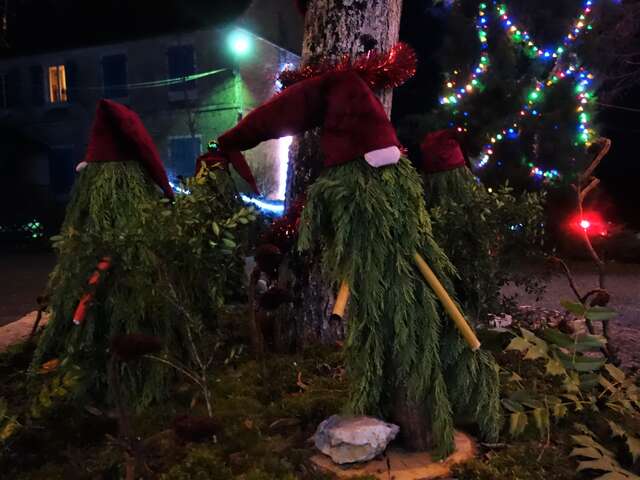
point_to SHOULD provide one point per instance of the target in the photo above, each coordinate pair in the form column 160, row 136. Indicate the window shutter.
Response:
column 181, row 64
column 61, row 170
column 13, row 89
column 37, row 85
column 183, row 153
column 71, row 72
column 114, row 76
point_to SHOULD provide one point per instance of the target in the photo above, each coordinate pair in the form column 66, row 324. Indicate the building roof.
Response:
column 39, row 26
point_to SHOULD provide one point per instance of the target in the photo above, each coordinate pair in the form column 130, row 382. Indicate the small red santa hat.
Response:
column 442, row 151
column 352, row 120
column 118, row 135
column 214, row 157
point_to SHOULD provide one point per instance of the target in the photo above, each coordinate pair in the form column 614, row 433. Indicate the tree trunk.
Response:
column 333, row 28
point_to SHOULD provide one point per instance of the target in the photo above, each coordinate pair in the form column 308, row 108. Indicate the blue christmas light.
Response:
column 267, row 206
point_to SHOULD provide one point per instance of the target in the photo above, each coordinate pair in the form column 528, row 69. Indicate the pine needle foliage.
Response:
column 369, row 223
column 108, row 215
column 487, row 236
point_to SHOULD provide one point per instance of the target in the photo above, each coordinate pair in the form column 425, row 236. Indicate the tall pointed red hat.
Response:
column 442, row 151
column 118, row 135
column 352, row 120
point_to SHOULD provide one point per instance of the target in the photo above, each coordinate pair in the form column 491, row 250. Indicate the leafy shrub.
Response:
column 571, row 380
column 488, row 237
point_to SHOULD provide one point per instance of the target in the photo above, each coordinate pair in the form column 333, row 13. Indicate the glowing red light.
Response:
column 590, row 222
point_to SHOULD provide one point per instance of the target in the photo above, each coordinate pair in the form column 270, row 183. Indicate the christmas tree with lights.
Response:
column 517, row 83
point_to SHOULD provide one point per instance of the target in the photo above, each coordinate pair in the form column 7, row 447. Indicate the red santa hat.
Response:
column 118, row 135
column 442, row 151
column 214, row 157
column 352, row 120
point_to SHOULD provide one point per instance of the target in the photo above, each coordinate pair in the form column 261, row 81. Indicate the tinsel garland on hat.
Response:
column 369, row 223
column 106, row 217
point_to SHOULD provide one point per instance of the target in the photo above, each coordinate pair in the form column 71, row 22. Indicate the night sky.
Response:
column 35, row 25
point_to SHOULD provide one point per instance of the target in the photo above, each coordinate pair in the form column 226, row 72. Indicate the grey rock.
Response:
column 353, row 439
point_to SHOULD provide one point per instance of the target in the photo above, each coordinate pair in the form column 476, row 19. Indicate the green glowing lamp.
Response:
column 240, row 43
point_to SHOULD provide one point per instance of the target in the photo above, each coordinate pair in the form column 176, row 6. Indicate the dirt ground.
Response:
column 23, row 276
column 623, row 283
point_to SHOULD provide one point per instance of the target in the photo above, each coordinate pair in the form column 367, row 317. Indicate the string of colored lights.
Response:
column 584, row 97
column 454, row 91
column 521, row 37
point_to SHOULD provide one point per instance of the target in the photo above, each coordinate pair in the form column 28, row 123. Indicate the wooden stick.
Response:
column 448, row 304
column 341, row 300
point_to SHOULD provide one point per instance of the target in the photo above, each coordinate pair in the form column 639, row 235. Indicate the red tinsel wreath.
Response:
column 378, row 69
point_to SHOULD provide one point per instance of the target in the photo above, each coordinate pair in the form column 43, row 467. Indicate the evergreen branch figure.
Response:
column 110, row 215
column 366, row 212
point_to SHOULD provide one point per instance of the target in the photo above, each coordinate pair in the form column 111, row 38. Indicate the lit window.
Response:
column 57, row 84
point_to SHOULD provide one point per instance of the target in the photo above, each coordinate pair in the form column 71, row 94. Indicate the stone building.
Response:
column 187, row 87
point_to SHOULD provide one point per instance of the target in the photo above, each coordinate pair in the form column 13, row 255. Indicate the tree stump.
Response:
column 402, row 465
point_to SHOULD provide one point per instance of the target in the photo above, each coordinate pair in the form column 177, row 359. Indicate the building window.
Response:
column 37, row 85
column 183, row 152
column 114, row 76
column 3, row 91
column 57, row 84
column 182, row 64
column 61, row 170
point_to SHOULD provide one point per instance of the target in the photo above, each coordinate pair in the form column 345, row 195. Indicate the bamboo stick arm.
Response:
column 449, row 305
column 341, row 300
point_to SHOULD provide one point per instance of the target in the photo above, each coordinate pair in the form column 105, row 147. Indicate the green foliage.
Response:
column 548, row 139
column 583, row 381
column 595, row 314
column 59, row 388
column 572, row 380
column 201, row 463
column 111, row 213
column 519, row 461
column 165, row 258
column 8, row 423
column 593, row 456
column 487, row 236
column 202, row 239
column 369, row 223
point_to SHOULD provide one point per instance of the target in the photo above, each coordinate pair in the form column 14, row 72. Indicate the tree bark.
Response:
column 333, row 28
